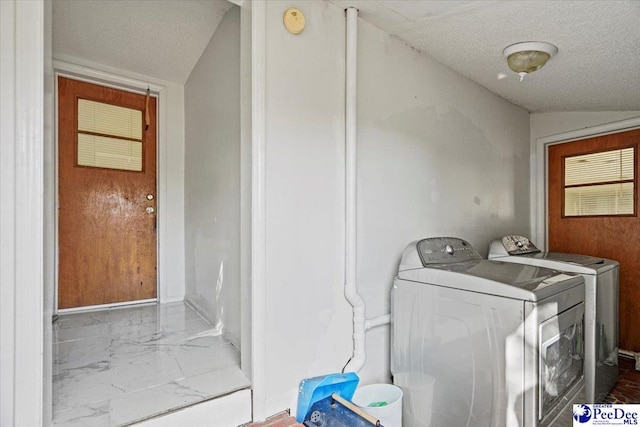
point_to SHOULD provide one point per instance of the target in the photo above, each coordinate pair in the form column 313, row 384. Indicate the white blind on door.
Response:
column 600, row 183
column 109, row 136
column 111, row 153
column 608, row 199
column 606, row 166
column 107, row 119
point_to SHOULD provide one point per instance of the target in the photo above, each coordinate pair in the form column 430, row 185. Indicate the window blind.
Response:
column 109, row 136
column 600, row 183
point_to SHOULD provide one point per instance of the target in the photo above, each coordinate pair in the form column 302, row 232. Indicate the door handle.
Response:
column 150, row 210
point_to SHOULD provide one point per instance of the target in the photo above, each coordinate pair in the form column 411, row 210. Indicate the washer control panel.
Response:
column 518, row 245
column 446, row 250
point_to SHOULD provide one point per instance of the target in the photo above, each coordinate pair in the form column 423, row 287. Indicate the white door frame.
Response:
column 102, row 78
column 540, row 177
column 21, row 212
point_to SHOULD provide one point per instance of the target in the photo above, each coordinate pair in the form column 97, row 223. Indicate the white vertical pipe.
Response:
column 350, row 289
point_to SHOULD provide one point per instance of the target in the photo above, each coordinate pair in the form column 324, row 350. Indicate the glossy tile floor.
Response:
column 121, row 365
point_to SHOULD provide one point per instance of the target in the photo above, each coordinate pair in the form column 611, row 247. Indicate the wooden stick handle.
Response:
column 354, row 408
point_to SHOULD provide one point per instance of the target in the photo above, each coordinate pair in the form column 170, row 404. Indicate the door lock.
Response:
column 150, row 210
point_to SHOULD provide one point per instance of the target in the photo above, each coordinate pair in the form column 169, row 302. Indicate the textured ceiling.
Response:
column 158, row 38
column 596, row 69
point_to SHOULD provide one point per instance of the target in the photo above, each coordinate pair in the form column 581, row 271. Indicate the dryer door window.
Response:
column 561, row 356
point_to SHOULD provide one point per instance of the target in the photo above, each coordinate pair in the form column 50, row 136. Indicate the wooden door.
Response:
column 609, row 236
column 106, row 194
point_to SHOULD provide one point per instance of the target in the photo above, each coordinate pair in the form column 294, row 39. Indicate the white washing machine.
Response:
column 483, row 343
column 601, row 277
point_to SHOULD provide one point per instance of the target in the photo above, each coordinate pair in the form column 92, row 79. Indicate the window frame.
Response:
column 634, row 181
column 76, row 132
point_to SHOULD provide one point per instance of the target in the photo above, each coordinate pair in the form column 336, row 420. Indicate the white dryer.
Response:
column 483, row 343
column 601, row 277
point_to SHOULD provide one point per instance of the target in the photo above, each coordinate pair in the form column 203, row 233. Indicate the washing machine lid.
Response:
column 574, row 263
column 453, row 263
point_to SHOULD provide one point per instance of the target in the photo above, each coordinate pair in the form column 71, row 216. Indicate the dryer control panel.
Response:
column 518, row 245
column 446, row 250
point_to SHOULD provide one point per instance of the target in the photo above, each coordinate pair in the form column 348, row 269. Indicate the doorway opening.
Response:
column 118, row 363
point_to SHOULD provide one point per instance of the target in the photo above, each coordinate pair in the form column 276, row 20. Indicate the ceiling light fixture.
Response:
column 527, row 57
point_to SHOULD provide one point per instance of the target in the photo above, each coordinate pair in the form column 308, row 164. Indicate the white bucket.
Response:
column 370, row 396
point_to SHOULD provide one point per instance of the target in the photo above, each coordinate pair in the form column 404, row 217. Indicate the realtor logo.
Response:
column 605, row 415
column 581, row 413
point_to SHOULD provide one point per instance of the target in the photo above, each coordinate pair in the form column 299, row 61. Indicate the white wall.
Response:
column 212, row 178
column 308, row 321
column 438, row 155
column 170, row 166
column 172, row 255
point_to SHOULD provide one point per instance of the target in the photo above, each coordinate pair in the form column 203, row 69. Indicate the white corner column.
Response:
column 21, row 212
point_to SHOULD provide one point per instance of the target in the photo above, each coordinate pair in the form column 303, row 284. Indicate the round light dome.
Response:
column 527, row 57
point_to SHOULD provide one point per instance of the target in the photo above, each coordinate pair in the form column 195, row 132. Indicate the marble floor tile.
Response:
column 76, row 354
column 86, row 389
column 89, row 415
column 81, row 332
column 151, row 373
column 116, row 366
column 217, row 382
column 74, row 320
column 197, row 360
column 125, row 352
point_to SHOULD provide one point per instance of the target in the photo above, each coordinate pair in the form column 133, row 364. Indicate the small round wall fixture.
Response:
column 294, row 21
column 527, row 57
